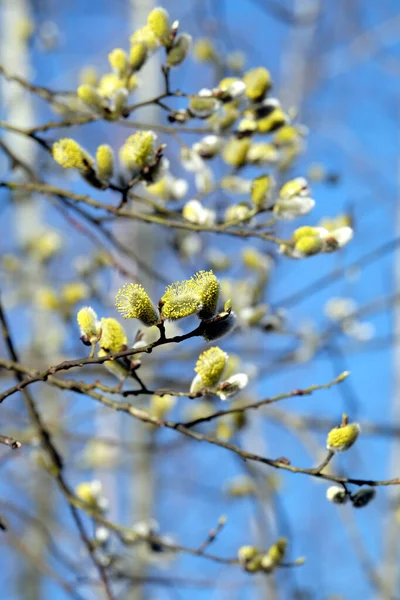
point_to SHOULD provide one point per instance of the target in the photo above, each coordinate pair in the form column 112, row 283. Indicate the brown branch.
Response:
column 34, row 376
column 9, row 441
column 144, row 217
column 266, row 401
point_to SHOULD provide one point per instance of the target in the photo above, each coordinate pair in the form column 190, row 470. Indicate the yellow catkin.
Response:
column 87, row 321
column 342, row 438
column 68, row 153
column 105, row 162
column 133, row 302
column 258, row 82
column 113, row 337
column 181, row 299
column 137, row 150
column 211, row 365
column 208, row 286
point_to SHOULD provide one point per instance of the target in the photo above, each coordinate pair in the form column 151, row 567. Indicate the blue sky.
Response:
column 352, row 114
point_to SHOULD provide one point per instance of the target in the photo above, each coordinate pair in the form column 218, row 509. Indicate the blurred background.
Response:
column 336, row 67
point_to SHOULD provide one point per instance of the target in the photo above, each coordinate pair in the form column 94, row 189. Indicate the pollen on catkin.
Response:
column 113, row 337
column 181, row 299
column 133, row 302
column 138, row 150
column 68, row 154
column 88, row 322
column 208, row 286
column 210, row 366
column 343, row 437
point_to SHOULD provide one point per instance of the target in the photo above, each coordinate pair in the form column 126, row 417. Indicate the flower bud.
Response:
column 336, row 494
column 90, row 96
column 146, row 36
column 224, row 120
column 208, row 288
column 109, row 84
column 88, row 323
column 119, row 61
column 181, row 299
column 138, row 150
column 91, row 492
column 277, row 118
column 341, row 236
column 308, row 245
column 293, row 188
column 69, row 154
column 204, row 50
column 219, row 326
column 196, row 213
column 230, row 88
column 246, row 553
column 261, row 189
column 261, row 153
column 232, row 386
column 169, row 188
column 118, row 102
column 363, row 497
column 104, row 162
column 211, row 365
column 113, row 337
column 133, row 302
column 208, row 147
column 158, row 22
column 203, row 105
column 250, row 558
column 137, row 56
column 258, row 83
column 246, row 127
column 305, row 231
column 237, row 213
column 196, row 387
column 341, row 438
column 179, row 51
column 235, row 152
column 289, row 135
column 294, row 200
column 274, row 556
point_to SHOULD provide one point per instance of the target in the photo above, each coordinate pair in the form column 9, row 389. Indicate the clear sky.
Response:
column 351, row 108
